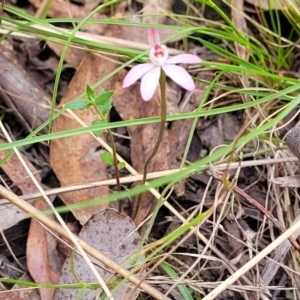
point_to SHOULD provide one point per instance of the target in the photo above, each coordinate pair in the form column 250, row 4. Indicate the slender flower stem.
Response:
column 163, row 120
column 114, row 153
column 151, row 73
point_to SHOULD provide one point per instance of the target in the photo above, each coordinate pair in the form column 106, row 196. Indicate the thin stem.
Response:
column 114, row 153
column 163, row 120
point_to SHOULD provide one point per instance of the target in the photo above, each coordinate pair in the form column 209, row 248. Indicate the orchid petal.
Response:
column 180, row 76
column 184, row 59
column 153, row 37
column 135, row 74
column 149, row 83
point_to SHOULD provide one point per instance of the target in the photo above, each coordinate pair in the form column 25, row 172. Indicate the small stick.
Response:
column 56, row 227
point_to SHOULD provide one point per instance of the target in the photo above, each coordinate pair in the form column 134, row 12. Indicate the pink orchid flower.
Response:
column 150, row 72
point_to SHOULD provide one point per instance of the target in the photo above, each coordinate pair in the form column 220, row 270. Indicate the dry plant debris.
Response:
column 24, row 96
column 45, row 261
column 233, row 234
column 114, row 234
column 75, row 160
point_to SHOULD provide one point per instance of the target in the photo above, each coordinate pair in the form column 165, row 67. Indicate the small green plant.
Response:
column 102, row 103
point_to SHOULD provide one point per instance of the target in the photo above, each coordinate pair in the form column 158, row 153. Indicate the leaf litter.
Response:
column 68, row 161
column 75, row 160
column 115, row 235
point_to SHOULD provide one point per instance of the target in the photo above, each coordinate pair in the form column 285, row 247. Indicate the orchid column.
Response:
column 153, row 73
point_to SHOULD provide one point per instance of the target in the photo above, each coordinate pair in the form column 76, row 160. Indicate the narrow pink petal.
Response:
column 153, row 37
column 149, row 83
column 180, row 76
column 135, row 74
column 184, row 59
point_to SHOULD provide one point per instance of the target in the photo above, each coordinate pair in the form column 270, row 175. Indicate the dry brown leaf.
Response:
column 155, row 10
column 121, row 36
column 63, row 9
column 114, row 235
column 25, row 97
column 76, row 160
column 10, row 215
column 73, row 56
column 137, row 33
column 67, row 9
column 44, row 262
column 16, row 172
column 143, row 139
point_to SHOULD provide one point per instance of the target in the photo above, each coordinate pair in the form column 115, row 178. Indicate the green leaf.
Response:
column 121, row 165
column 183, row 288
column 78, row 104
column 90, row 93
column 107, row 158
column 97, row 122
column 103, row 97
column 105, row 108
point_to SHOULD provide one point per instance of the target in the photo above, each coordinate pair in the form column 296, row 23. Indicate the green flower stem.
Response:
column 163, row 120
column 114, row 153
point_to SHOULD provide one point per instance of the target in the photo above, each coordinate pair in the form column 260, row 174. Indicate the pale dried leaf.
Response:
column 10, row 215
column 112, row 234
column 293, row 140
column 287, row 181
